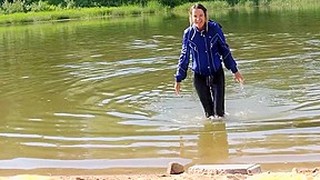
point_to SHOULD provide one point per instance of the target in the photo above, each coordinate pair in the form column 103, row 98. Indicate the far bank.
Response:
column 151, row 8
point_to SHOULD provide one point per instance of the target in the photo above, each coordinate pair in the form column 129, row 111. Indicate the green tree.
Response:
column 171, row 3
column 232, row 2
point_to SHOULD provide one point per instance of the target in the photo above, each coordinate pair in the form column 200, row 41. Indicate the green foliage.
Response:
column 170, row 3
column 70, row 4
column 138, row 6
column 14, row 7
column 294, row 4
column 41, row 6
column 233, row 2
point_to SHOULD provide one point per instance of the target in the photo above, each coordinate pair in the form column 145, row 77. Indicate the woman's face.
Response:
column 198, row 18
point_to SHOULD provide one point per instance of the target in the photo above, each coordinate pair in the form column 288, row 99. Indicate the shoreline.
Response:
column 153, row 174
column 265, row 167
column 91, row 13
column 307, row 170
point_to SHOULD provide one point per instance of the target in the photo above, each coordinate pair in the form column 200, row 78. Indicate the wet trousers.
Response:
column 211, row 92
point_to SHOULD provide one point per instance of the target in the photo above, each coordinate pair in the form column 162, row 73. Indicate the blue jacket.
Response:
column 207, row 50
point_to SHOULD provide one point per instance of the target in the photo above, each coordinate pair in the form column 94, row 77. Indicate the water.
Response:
column 99, row 94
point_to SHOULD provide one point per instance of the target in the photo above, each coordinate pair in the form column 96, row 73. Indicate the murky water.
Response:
column 99, row 94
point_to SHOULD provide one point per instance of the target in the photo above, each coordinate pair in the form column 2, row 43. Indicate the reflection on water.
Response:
column 96, row 95
column 212, row 143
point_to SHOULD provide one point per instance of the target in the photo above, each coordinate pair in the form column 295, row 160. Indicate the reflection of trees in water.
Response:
column 211, row 145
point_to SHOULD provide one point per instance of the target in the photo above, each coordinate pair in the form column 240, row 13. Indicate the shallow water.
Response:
column 99, row 94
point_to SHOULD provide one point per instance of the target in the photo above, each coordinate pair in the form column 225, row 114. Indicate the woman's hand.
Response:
column 238, row 77
column 177, row 87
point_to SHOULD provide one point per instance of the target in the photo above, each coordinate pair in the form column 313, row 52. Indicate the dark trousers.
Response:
column 211, row 93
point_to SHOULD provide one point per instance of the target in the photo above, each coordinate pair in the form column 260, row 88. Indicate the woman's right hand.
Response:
column 177, row 87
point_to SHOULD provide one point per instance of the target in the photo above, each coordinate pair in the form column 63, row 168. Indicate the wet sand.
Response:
column 153, row 174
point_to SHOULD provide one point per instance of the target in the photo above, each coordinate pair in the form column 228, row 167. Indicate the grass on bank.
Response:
column 222, row 7
column 81, row 13
column 294, row 4
column 153, row 7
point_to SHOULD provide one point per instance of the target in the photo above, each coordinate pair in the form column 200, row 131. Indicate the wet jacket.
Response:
column 206, row 49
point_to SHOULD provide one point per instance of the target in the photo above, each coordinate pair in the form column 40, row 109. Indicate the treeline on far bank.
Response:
column 25, row 11
column 23, row 6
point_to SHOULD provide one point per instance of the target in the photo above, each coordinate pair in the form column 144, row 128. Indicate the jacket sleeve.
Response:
column 184, row 58
column 225, row 52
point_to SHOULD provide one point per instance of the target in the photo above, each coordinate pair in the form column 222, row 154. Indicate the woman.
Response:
column 204, row 41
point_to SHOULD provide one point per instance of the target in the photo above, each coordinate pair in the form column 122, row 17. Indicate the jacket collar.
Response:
column 197, row 30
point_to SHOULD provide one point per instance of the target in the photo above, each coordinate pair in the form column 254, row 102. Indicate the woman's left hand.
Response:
column 238, row 77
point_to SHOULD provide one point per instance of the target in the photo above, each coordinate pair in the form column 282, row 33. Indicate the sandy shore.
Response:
column 161, row 174
column 184, row 176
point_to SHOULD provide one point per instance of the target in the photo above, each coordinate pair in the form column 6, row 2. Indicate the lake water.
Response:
column 99, row 94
